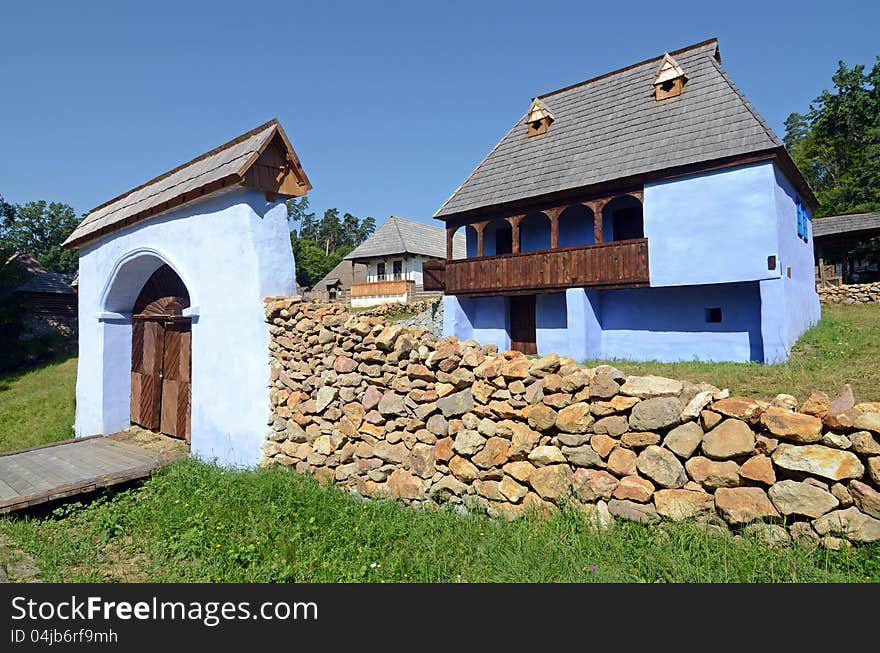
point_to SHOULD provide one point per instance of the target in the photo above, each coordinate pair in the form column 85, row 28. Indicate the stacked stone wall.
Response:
column 860, row 293
column 392, row 411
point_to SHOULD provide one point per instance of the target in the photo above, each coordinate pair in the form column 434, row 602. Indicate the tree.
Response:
column 350, row 230
column 298, row 213
column 330, row 230
column 7, row 214
column 368, row 226
column 836, row 144
column 40, row 229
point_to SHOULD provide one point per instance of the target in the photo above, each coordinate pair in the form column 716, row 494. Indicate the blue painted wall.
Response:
column 711, row 228
column 551, row 323
column 482, row 318
column 534, row 233
column 576, row 228
column 669, row 324
column 470, row 236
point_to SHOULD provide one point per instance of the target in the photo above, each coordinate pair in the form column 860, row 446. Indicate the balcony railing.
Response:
column 382, row 288
column 620, row 264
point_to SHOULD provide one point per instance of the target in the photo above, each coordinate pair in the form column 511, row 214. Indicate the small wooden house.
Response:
column 835, row 237
column 172, row 277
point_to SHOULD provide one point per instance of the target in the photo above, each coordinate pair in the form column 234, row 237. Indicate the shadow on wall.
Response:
column 727, row 310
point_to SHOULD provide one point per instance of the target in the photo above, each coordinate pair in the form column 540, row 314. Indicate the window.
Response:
column 380, row 271
column 713, row 315
column 397, row 269
column 803, row 221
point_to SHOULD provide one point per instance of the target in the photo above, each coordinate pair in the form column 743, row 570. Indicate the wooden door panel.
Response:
column 145, row 394
column 175, row 408
column 523, row 324
column 176, row 386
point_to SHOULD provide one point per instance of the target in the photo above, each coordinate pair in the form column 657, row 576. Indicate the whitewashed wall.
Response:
column 231, row 251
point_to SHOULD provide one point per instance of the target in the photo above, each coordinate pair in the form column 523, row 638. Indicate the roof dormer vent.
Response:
column 539, row 118
column 670, row 79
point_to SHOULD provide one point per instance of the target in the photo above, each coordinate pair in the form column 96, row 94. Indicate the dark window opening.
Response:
column 397, row 269
column 771, row 262
column 667, row 85
column 628, row 223
column 536, row 125
column 380, row 271
column 713, row 315
column 504, row 240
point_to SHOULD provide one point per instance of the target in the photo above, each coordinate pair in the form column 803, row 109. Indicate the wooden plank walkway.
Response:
column 63, row 469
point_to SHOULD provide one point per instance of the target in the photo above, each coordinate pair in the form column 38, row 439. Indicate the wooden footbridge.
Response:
column 70, row 467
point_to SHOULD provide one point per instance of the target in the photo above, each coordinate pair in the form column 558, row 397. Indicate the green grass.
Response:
column 36, row 407
column 843, row 348
column 196, row 522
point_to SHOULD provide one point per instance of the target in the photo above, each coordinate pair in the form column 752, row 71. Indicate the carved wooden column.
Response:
column 450, row 232
column 554, row 214
column 479, row 227
column 597, row 206
column 514, row 225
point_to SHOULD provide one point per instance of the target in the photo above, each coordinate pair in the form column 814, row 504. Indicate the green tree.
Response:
column 330, row 231
column 836, row 144
column 366, row 229
column 7, row 214
column 40, row 228
column 298, row 214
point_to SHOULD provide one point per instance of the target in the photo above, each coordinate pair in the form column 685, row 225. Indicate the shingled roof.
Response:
column 401, row 236
column 612, row 128
column 261, row 158
column 48, row 283
column 842, row 224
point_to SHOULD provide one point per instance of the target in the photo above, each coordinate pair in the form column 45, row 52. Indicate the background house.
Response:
column 647, row 214
column 834, row 238
column 387, row 266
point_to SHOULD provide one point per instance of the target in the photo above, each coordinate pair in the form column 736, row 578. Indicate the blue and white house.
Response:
column 647, row 214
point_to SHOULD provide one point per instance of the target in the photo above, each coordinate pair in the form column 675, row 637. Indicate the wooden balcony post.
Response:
column 514, row 225
column 450, row 232
column 479, row 227
column 554, row 214
column 597, row 206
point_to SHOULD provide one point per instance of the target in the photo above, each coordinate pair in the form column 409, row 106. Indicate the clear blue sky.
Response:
column 389, row 105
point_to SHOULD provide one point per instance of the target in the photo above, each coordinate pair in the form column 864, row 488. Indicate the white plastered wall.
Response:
column 231, row 251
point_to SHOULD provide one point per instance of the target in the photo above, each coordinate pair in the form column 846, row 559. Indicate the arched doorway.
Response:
column 161, row 339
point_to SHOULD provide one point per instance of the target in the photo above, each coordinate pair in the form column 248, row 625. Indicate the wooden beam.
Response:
column 450, row 232
column 554, row 214
column 514, row 225
column 479, row 227
column 597, row 206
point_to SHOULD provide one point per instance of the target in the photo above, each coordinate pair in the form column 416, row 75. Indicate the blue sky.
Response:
column 389, row 105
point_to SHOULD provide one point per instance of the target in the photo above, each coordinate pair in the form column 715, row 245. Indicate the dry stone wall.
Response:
column 860, row 293
column 391, row 411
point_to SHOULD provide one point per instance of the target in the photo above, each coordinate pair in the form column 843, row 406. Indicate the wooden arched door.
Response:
column 161, row 380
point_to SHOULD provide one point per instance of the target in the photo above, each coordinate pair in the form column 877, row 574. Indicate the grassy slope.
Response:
column 37, row 406
column 843, row 348
column 196, row 522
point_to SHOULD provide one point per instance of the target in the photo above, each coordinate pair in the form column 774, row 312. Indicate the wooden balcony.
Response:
column 382, row 288
column 620, row 264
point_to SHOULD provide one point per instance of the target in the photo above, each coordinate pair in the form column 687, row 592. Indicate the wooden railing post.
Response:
column 479, row 227
column 596, row 206
column 514, row 224
column 450, row 232
column 554, row 214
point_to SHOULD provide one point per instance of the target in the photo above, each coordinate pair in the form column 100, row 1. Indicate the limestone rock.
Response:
column 659, row 413
column 661, row 466
column 842, row 495
column 713, row 474
column 622, row 462
column 794, row 498
column 522, row 438
column 551, row 482
column 520, row 470
column 456, row 404
column 638, row 439
column 758, row 468
column 729, row 439
column 837, row 440
column 772, row 535
column 575, row 418
column 511, row 490
column 614, row 426
column 468, row 442
column 679, row 505
column 696, row 405
column 683, row 440
column 603, row 387
column 603, row 444
column 874, row 469
column 421, row 460
column 463, row 469
column 868, row 422
column 392, row 404
column 710, row 419
column 817, row 404
column 582, row 456
column 592, row 484
column 646, row 387
column 792, row 426
column 741, row 505
column 864, row 443
column 816, row 459
column 448, row 486
column 404, row 485
column 597, row 515
column 615, row 405
column 386, row 338
column 634, row 488
column 742, row 408
column 438, row 425
column 541, row 417
column 866, row 498
column 493, row 454
column 325, row 396
column 546, row 455
column 804, row 535
column 644, row 513
column 851, row 523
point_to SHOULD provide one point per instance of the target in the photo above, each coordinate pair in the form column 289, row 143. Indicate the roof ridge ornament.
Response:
column 538, row 118
column 670, row 79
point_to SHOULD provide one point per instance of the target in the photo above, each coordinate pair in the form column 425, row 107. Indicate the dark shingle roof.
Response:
column 48, row 282
column 841, row 224
column 401, row 236
column 612, row 127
